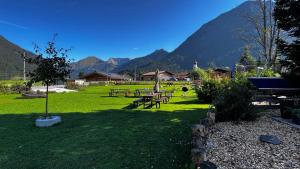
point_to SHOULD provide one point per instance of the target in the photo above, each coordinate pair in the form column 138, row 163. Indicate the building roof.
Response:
column 109, row 75
column 223, row 70
column 160, row 72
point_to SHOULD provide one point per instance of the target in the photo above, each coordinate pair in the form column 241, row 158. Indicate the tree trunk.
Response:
column 46, row 114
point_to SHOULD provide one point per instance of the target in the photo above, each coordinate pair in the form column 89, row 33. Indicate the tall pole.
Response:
column 135, row 73
column 24, row 66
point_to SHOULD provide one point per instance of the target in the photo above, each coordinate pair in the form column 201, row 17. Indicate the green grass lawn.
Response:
column 97, row 131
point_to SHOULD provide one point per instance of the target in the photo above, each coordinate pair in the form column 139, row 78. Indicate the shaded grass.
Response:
column 97, row 132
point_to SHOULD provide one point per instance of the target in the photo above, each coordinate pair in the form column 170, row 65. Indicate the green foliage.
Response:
column 243, row 75
column 208, row 90
column 287, row 16
column 269, row 73
column 52, row 68
column 199, row 74
column 12, row 88
column 72, row 86
column 233, row 103
column 247, row 59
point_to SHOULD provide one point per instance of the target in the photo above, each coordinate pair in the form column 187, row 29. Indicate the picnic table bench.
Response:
column 150, row 99
column 116, row 92
column 140, row 92
column 272, row 89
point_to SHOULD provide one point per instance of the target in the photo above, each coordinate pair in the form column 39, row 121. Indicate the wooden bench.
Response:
column 116, row 92
column 162, row 99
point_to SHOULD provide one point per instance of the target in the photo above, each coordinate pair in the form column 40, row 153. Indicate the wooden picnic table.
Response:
column 140, row 92
column 116, row 92
column 150, row 98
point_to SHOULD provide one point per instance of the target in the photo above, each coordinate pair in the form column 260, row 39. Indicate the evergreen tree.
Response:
column 287, row 14
column 247, row 59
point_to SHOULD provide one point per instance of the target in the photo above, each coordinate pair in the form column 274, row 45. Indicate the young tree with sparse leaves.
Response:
column 52, row 66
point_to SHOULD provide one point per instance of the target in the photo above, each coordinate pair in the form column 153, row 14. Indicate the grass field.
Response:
column 97, row 132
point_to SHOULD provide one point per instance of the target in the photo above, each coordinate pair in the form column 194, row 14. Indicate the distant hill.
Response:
column 218, row 41
column 143, row 64
column 11, row 63
column 92, row 63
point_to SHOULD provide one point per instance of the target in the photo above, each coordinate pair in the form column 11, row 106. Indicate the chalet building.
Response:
column 183, row 76
column 221, row 73
column 163, row 75
column 99, row 76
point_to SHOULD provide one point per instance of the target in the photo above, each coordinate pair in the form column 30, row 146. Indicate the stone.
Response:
column 199, row 155
column 207, row 165
column 270, row 139
column 199, row 130
column 47, row 122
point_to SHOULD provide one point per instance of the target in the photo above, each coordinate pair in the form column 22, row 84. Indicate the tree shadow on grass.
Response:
column 194, row 101
column 111, row 139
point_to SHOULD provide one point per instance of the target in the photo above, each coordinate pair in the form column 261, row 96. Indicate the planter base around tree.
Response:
column 47, row 122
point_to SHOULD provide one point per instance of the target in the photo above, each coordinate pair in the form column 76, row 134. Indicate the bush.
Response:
column 17, row 88
column 72, row 86
column 233, row 103
column 4, row 88
column 208, row 91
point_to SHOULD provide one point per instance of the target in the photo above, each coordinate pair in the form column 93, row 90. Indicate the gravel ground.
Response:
column 237, row 145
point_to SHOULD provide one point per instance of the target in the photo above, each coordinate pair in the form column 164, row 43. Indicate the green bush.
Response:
column 208, row 91
column 72, row 86
column 17, row 88
column 14, row 88
column 199, row 74
column 233, row 103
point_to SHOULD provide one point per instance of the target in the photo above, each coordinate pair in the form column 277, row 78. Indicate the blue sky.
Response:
column 107, row 28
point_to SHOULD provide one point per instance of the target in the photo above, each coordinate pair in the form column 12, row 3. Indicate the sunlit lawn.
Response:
column 97, row 131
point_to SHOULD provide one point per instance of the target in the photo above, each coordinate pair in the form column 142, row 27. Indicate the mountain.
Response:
column 218, row 42
column 92, row 63
column 11, row 63
column 143, row 64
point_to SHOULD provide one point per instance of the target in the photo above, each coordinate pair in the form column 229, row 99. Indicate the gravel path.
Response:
column 237, row 145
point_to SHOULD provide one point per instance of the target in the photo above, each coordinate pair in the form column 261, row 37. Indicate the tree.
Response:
column 80, row 75
column 247, row 59
column 287, row 14
column 52, row 65
column 266, row 32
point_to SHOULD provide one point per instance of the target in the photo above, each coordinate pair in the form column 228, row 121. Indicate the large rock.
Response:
column 270, row 139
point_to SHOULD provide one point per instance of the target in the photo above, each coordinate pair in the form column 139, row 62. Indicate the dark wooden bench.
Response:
column 116, row 92
column 162, row 99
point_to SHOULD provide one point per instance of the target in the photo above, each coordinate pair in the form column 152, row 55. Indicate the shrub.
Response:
column 4, row 88
column 72, row 86
column 17, row 88
column 208, row 91
column 233, row 103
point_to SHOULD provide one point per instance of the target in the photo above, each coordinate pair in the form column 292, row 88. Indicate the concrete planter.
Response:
column 47, row 122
